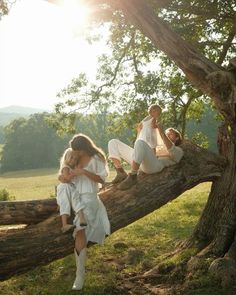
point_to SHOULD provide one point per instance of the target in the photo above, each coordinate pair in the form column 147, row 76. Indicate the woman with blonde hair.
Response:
column 68, row 162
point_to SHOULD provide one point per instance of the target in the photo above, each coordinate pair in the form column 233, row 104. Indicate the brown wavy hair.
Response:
column 178, row 135
column 81, row 142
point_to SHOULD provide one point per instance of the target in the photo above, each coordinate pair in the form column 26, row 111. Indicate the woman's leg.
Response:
column 64, row 192
column 80, row 259
column 80, row 240
column 82, row 218
column 118, row 150
column 143, row 155
column 116, row 163
column 64, row 218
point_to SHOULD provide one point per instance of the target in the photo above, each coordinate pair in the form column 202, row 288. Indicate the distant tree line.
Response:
column 34, row 142
column 31, row 143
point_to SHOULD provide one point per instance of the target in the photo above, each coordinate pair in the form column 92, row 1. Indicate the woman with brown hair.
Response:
column 91, row 172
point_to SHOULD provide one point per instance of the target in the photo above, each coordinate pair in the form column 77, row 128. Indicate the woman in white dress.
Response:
column 91, row 172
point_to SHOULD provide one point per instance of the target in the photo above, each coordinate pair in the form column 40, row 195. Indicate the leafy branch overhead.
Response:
column 135, row 73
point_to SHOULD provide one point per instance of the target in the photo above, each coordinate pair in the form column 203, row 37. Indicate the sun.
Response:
column 75, row 13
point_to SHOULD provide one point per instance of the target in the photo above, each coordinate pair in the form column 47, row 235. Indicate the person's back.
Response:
column 148, row 133
column 147, row 130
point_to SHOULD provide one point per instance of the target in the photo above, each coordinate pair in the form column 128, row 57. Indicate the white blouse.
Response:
column 175, row 155
column 150, row 135
column 85, row 184
column 147, row 133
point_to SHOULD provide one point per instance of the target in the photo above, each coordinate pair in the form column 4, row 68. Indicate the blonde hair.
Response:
column 153, row 107
column 65, row 159
column 82, row 142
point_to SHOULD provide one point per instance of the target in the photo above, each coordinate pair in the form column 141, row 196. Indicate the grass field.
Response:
column 155, row 235
column 30, row 184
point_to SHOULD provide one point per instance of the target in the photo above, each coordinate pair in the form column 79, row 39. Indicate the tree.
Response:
column 216, row 229
column 215, row 232
column 207, row 76
column 127, row 75
column 3, row 8
column 101, row 126
column 30, row 144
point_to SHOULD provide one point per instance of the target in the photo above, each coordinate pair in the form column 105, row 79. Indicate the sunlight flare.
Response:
column 75, row 13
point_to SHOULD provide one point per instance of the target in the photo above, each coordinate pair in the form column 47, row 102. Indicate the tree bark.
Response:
column 221, row 203
column 39, row 244
column 30, row 212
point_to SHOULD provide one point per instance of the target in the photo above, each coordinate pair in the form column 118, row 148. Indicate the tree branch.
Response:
column 100, row 88
column 42, row 243
column 226, row 46
column 196, row 67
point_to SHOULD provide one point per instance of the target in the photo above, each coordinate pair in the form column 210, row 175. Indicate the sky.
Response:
column 43, row 49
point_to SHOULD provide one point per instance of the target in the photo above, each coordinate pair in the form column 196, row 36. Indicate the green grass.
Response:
column 156, row 235
column 30, row 184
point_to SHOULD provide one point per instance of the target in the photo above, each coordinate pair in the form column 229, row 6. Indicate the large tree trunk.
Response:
column 221, row 203
column 217, row 225
column 23, row 249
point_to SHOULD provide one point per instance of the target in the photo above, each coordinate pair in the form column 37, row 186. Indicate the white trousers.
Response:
column 141, row 154
column 65, row 193
column 68, row 198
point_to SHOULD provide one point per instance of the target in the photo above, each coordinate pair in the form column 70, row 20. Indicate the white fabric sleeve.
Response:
column 101, row 169
column 176, row 153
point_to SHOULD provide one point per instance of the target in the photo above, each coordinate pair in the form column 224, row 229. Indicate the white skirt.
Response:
column 98, row 225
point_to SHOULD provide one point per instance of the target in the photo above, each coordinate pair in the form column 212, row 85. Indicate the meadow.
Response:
column 154, row 236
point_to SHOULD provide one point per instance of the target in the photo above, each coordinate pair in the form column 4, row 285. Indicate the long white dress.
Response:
column 98, row 225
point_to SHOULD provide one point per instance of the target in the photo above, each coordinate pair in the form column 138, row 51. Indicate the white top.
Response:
column 149, row 134
column 85, row 184
column 175, row 154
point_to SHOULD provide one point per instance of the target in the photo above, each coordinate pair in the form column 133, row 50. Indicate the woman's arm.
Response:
column 66, row 175
column 167, row 142
column 96, row 178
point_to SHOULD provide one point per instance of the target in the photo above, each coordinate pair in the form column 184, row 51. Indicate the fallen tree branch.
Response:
column 24, row 249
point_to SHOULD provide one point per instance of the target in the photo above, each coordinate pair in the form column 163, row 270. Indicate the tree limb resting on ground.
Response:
column 41, row 243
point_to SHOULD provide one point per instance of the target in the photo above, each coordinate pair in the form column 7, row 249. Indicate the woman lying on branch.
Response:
column 142, row 156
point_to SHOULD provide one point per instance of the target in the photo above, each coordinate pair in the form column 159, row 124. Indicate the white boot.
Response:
column 80, row 269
